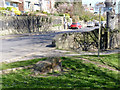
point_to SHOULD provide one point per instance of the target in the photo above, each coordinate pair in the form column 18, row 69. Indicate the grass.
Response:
column 57, row 25
column 19, row 64
column 110, row 60
column 76, row 75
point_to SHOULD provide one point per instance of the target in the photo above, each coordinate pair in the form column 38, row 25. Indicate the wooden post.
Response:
column 99, row 31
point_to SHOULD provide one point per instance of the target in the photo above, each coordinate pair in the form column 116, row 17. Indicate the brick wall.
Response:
column 21, row 6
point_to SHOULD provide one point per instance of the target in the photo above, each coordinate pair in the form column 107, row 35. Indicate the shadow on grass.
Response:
column 111, row 55
column 80, row 75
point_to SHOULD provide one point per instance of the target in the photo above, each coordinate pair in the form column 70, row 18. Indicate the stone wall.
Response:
column 75, row 41
column 27, row 24
column 84, row 41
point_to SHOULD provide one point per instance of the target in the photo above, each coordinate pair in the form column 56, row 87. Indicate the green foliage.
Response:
column 57, row 25
column 37, row 10
column 57, row 4
column 55, row 14
column 86, row 18
column 61, row 14
column 77, row 74
column 102, row 18
column 67, row 14
column 44, row 12
column 15, row 10
column 2, row 8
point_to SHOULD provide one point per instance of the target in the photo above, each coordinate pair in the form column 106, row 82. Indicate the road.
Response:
column 34, row 46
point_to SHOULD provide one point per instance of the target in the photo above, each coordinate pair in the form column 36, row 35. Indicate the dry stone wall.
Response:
column 27, row 24
column 84, row 41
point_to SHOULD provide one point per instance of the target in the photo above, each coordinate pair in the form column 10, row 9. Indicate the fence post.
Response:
column 99, row 31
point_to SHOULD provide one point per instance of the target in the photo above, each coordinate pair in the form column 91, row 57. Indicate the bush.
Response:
column 2, row 8
column 44, row 12
column 37, row 11
column 102, row 18
column 15, row 10
column 86, row 18
column 61, row 15
column 66, row 14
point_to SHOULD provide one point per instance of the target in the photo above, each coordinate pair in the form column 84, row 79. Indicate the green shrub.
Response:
column 66, row 14
column 86, row 18
column 2, row 8
column 37, row 11
column 44, row 12
column 60, row 14
column 102, row 18
column 57, row 25
column 16, row 11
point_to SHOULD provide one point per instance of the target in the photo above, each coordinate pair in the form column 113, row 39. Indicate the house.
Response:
column 41, row 5
column 47, row 5
column 2, row 3
column 29, row 5
column 9, row 3
column 21, row 5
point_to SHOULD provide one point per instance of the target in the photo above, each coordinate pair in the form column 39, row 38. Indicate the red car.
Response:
column 76, row 25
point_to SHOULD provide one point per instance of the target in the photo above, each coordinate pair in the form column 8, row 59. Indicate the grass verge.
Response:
column 76, row 75
column 111, row 60
column 19, row 64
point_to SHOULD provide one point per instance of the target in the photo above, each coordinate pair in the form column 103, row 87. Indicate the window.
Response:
column 15, row 5
column 11, row 4
column 36, row 4
column 7, row 3
column 27, row 5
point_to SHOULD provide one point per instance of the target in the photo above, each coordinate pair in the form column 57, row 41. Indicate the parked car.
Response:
column 76, row 25
column 90, row 24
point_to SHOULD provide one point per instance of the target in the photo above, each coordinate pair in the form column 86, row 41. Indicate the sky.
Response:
column 93, row 2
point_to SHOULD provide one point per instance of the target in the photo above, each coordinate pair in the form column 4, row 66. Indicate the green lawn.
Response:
column 76, row 75
column 110, row 60
column 19, row 64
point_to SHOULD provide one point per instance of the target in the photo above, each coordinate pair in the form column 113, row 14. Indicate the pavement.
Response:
column 29, row 46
